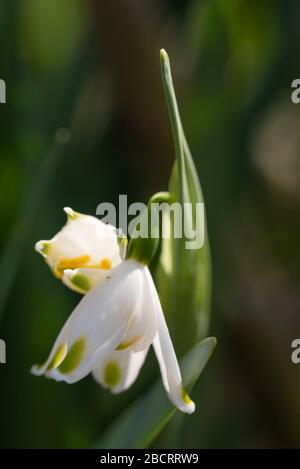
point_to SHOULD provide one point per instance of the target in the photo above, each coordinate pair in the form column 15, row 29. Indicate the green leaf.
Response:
column 183, row 275
column 145, row 418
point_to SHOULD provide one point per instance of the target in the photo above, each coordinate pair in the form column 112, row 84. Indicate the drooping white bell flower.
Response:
column 110, row 331
column 82, row 252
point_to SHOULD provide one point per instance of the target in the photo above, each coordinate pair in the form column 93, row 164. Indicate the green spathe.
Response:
column 183, row 274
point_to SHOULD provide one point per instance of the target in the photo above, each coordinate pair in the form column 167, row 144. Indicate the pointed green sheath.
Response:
column 183, row 276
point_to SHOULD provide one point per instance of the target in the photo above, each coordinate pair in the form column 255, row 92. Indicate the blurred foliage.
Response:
column 93, row 67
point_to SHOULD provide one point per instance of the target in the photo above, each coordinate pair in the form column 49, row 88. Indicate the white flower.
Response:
column 110, row 331
column 82, row 252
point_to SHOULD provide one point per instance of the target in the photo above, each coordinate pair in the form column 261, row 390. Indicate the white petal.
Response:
column 97, row 325
column 167, row 360
column 83, row 279
column 143, row 328
column 120, row 369
column 84, row 241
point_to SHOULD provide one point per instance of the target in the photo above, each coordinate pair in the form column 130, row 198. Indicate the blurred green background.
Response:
column 90, row 69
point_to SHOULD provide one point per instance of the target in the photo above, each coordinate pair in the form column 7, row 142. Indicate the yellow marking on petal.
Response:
column 58, row 357
column 72, row 263
column 186, row 398
column 124, row 345
column 112, row 374
column 74, row 357
column 105, row 263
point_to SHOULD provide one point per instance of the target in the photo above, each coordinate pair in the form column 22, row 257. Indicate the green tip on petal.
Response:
column 59, row 356
column 186, row 398
column 42, row 247
column 81, row 281
column 112, row 374
column 71, row 214
column 74, row 357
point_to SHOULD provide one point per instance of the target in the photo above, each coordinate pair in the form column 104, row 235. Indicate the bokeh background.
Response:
column 86, row 120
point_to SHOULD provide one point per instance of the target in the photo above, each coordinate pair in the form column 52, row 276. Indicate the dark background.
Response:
column 93, row 67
